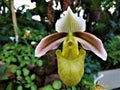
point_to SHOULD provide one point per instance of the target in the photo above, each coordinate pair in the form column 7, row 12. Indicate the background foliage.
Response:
column 21, row 70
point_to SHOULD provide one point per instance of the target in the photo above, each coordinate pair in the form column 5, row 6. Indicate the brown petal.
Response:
column 48, row 43
column 92, row 43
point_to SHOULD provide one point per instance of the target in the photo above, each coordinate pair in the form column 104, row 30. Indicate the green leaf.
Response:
column 74, row 88
column 57, row 84
column 28, row 79
column 68, row 88
column 29, row 15
column 39, row 63
column 18, row 72
column 26, row 72
column 13, row 69
column 33, row 87
column 22, row 64
column 13, row 59
column 20, row 88
column 100, row 26
column 4, row 38
column 9, row 87
column 2, row 70
column 7, row 3
column 33, row 76
column 88, row 78
column 27, row 85
column 47, row 87
column 19, row 78
column 26, row 58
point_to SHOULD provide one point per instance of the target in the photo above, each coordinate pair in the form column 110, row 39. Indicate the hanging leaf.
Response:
column 9, row 87
column 2, row 70
column 28, row 15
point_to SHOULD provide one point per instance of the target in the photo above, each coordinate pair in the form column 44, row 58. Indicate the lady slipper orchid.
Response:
column 70, row 60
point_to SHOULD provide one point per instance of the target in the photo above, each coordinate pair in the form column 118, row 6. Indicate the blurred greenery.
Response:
column 113, row 49
column 21, row 70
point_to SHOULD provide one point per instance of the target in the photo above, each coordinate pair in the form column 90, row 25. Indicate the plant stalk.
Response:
column 14, row 20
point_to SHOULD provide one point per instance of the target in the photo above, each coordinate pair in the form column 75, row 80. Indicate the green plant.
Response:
column 56, row 85
column 31, row 34
column 21, row 56
column 92, row 65
column 47, row 87
column 113, row 49
column 2, row 71
column 87, row 82
column 95, row 4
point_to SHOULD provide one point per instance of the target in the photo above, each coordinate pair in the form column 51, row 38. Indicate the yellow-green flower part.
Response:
column 71, row 31
column 70, row 61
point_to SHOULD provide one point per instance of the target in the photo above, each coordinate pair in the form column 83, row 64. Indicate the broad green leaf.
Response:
column 33, row 76
column 2, row 70
column 47, row 87
column 28, row 79
column 20, row 88
column 33, row 87
column 13, row 69
column 39, row 63
column 25, row 71
column 9, row 87
column 57, row 85
column 18, row 72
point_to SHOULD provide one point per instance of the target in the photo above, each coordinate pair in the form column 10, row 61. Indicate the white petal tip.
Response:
column 37, row 55
column 105, row 56
column 70, row 23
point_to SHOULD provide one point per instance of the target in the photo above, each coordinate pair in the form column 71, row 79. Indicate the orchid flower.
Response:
column 70, row 30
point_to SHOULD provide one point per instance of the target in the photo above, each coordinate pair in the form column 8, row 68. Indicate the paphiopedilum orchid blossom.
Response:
column 70, row 60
